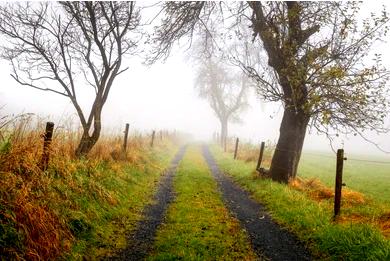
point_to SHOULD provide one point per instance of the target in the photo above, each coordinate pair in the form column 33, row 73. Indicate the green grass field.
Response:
column 372, row 179
column 361, row 173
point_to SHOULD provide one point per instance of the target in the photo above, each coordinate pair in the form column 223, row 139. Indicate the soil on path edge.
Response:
column 141, row 240
column 267, row 237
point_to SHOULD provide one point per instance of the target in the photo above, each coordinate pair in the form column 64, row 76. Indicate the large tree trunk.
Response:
column 224, row 132
column 288, row 150
column 88, row 141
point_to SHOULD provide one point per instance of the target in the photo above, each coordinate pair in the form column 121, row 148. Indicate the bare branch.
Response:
column 63, row 42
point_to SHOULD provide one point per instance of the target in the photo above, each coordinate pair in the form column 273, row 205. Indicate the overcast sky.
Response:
column 162, row 97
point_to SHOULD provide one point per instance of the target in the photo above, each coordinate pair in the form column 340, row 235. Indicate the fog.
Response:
column 162, row 96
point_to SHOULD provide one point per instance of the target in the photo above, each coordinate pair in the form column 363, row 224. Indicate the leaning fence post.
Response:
column 153, row 134
column 260, row 155
column 236, row 148
column 46, row 145
column 339, row 182
column 125, row 138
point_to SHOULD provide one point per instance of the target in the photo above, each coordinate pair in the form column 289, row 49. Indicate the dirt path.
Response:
column 198, row 226
column 268, row 238
column 142, row 239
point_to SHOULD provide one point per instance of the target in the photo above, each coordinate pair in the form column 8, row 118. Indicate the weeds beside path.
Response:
column 141, row 240
column 79, row 209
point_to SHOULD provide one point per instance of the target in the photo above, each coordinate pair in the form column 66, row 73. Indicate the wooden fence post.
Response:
column 235, row 149
column 260, row 155
column 339, row 182
column 46, row 145
column 125, row 138
column 161, row 135
column 153, row 134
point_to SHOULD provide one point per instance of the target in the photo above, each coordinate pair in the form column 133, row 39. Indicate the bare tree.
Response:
column 319, row 65
column 60, row 47
column 224, row 89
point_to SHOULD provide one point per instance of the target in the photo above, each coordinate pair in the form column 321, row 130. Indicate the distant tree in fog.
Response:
column 224, row 88
column 61, row 47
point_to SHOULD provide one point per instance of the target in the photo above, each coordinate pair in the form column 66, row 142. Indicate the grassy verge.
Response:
column 311, row 220
column 105, row 214
column 79, row 208
column 198, row 226
column 370, row 178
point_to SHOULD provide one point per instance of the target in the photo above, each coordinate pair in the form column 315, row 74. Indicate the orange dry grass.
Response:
column 318, row 191
column 22, row 157
column 312, row 187
column 109, row 149
column 24, row 188
column 250, row 153
column 45, row 236
column 384, row 224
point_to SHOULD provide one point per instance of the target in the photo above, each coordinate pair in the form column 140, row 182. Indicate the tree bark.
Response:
column 288, row 150
column 87, row 141
column 224, row 132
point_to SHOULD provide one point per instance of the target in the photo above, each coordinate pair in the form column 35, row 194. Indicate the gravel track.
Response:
column 267, row 237
column 142, row 239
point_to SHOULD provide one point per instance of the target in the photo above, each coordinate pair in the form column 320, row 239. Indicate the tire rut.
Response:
column 267, row 237
column 140, row 242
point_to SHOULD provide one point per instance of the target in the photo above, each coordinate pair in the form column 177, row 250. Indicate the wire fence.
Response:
column 370, row 161
column 270, row 152
column 268, row 159
column 333, row 157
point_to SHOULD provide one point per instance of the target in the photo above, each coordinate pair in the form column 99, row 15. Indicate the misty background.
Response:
column 162, row 96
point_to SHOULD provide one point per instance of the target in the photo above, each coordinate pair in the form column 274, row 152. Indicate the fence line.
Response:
column 369, row 161
column 339, row 169
column 330, row 157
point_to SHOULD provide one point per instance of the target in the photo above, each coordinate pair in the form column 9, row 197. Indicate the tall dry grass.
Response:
column 29, row 229
column 249, row 152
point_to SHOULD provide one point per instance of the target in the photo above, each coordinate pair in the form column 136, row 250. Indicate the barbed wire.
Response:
column 273, row 149
column 334, row 157
column 348, row 158
column 369, row 161
column 330, row 157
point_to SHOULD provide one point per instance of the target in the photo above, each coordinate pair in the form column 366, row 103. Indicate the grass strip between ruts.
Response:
column 198, row 226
